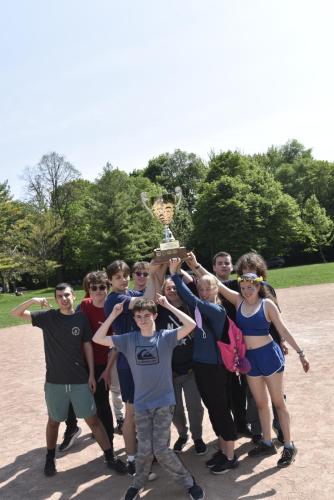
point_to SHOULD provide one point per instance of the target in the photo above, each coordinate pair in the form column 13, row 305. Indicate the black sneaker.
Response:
column 216, row 458
column 117, row 465
column 196, row 492
column 287, row 457
column 225, row 466
column 131, row 468
column 131, row 494
column 69, row 438
column 180, row 444
column 262, row 449
column 50, row 467
column 200, row 447
column 279, row 434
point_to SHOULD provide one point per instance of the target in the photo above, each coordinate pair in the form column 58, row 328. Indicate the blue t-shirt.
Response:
column 124, row 323
column 150, row 362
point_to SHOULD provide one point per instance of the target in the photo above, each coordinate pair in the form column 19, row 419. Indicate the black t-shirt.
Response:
column 182, row 359
column 63, row 336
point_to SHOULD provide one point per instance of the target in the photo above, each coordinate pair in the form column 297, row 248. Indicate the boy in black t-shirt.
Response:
column 66, row 334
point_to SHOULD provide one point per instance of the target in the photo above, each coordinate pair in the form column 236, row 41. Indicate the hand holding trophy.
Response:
column 163, row 208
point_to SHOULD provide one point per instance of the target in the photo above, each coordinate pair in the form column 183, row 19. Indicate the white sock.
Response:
column 131, row 458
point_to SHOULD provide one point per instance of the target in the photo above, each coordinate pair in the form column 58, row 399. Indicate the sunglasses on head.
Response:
column 144, row 274
column 94, row 288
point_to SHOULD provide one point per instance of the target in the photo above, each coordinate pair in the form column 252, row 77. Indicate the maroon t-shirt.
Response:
column 96, row 317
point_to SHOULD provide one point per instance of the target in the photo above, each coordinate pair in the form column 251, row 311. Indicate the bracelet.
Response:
column 301, row 353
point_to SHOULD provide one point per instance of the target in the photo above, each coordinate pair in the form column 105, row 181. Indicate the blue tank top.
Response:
column 255, row 325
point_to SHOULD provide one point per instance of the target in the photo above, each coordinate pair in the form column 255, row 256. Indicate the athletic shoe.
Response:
column 117, row 465
column 225, row 466
column 279, row 434
column 287, row 457
column 131, row 468
column 118, row 428
column 262, row 449
column 69, row 438
column 196, row 492
column 180, row 444
column 131, row 494
column 244, row 431
column 50, row 467
column 200, row 447
column 216, row 458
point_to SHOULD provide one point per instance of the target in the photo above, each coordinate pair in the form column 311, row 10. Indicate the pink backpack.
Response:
column 234, row 353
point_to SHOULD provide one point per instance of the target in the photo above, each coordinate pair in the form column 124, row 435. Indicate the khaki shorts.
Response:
column 59, row 396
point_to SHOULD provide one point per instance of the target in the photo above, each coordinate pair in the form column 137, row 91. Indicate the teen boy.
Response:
column 149, row 354
column 67, row 381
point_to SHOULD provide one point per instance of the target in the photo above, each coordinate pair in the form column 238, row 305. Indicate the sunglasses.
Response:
column 94, row 288
column 143, row 274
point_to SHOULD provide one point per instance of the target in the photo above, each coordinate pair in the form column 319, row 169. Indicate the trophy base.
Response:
column 163, row 255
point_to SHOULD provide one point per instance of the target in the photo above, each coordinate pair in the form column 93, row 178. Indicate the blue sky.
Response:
column 123, row 81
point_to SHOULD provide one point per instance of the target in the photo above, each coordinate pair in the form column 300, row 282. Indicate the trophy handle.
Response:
column 178, row 196
column 144, row 199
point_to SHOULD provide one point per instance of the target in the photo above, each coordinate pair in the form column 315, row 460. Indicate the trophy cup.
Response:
column 164, row 208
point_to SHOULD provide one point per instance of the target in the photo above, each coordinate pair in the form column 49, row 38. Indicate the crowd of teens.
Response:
column 154, row 347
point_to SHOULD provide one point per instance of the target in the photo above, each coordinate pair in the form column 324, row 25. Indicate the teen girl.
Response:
column 211, row 375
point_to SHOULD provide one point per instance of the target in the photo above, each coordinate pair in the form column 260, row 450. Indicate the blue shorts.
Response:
column 265, row 360
column 126, row 384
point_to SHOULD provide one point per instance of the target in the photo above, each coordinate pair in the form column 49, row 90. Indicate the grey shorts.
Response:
column 59, row 396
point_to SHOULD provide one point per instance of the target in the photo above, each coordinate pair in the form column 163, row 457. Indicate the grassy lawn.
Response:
column 279, row 278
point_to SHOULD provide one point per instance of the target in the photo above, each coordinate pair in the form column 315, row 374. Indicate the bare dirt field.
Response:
column 82, row 474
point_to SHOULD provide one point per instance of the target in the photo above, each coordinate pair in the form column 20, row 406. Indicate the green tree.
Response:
column 320, row 227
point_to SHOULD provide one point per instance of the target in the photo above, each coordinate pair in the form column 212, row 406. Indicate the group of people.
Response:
column 162, row 336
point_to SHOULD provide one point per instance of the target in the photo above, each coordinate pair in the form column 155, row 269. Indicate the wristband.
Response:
column 301, row 353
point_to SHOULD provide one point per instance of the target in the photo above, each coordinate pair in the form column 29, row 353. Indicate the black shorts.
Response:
column 126, row 384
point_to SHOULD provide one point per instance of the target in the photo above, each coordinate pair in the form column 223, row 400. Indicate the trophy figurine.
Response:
column 164, row 208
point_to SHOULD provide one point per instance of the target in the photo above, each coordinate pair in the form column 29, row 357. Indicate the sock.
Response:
column 288, row 445
column 267, row 442
column 131, row 458
column 51, row 453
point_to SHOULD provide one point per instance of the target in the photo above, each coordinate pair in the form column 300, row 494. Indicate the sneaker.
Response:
column 196, row 492
column 287, row 457
column 117, row 465
column 118, row 428
column 180, row 444
column 200, row 447
column 152, row 476
column 131, row 493
column 216, row 458
column 225, row 466
column 69, row 439
column 279, row 434
column 256, row 438
column 131, row 468
column 50, row 467
column 262, row 449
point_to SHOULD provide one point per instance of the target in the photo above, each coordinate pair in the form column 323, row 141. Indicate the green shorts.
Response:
column 59, row 396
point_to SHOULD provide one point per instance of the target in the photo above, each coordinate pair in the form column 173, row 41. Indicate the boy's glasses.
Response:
column 141, row 273
column 94, row 288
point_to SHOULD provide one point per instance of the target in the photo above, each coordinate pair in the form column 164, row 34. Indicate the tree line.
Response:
column 276, row 203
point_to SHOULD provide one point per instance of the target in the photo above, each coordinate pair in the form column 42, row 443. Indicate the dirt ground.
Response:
column 308, row 311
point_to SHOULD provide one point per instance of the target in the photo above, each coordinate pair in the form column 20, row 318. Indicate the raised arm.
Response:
column 101, row 335
column 188, row 324
column 274, row 316
column 22, row 311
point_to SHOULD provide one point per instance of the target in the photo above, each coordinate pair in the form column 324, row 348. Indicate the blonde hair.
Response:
column 209, row 279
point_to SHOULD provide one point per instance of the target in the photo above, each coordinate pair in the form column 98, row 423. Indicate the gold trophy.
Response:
column 164, row 208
